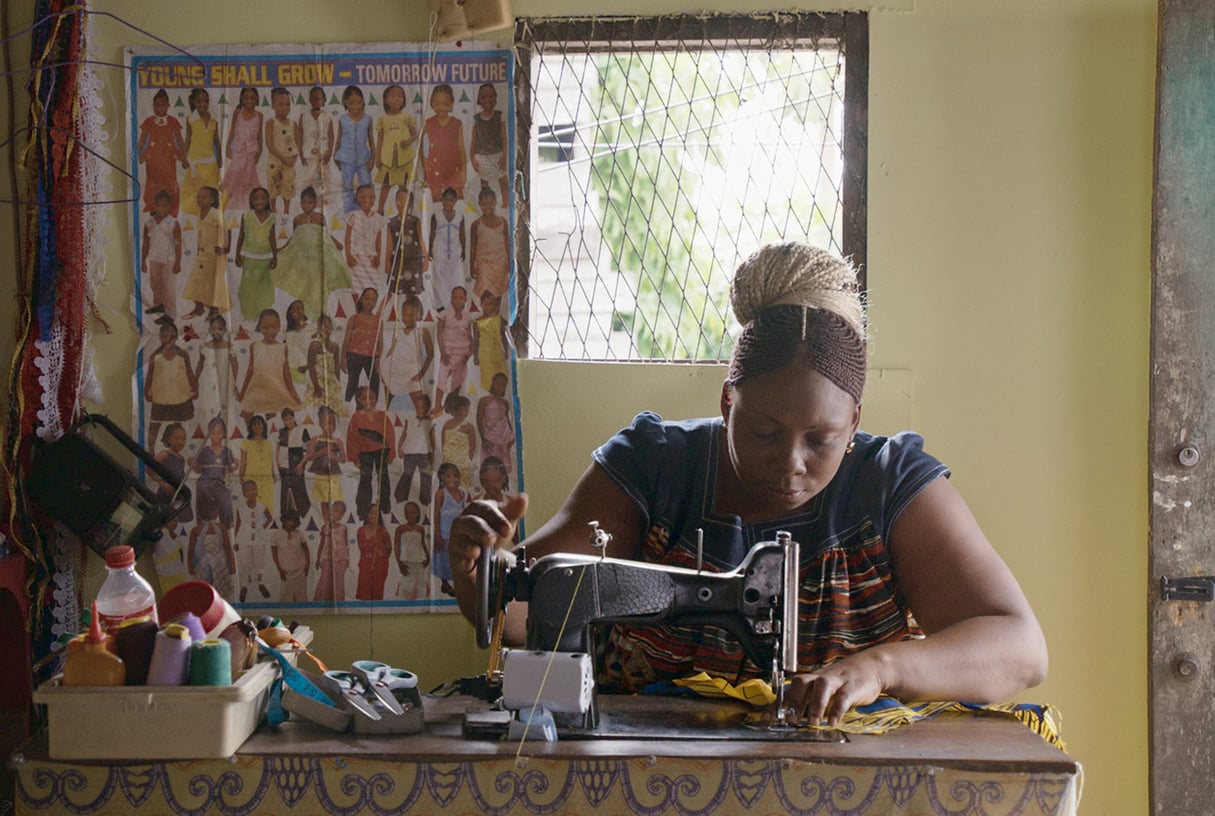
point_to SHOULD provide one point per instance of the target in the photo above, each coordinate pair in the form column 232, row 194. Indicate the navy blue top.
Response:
column 848, row 597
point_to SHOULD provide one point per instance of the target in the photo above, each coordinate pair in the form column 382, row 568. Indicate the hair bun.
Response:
column 797, row 274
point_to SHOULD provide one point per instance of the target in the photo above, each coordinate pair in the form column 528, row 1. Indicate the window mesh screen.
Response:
column 658, row 153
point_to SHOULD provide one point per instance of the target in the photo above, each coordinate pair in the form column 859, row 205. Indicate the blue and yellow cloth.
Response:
column 879, row 717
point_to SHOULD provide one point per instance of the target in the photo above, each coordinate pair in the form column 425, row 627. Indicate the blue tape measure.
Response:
column 295, row 679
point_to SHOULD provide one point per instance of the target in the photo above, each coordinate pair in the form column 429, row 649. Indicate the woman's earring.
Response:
column 850, row 447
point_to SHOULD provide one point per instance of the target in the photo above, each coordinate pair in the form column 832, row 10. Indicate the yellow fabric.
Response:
column 886, row 713
column 755, row 691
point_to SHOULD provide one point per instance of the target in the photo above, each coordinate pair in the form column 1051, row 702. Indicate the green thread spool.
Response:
column 211, row 663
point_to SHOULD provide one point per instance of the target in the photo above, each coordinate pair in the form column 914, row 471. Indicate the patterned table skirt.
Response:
column 257, row 785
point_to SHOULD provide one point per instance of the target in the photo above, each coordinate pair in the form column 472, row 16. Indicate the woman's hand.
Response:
column 482, row 524
column 828, row 694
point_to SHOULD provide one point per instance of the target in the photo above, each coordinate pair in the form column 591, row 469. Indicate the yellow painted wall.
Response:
column 1010, row 195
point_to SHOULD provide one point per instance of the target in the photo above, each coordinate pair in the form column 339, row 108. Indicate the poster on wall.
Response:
column 324, row 286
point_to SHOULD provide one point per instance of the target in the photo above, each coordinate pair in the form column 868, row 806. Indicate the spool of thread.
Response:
column 171, row 656
column 193, row 625
column 211, row 663
column 134, row 642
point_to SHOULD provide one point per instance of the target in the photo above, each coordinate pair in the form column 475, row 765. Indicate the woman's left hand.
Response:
column 828, row 694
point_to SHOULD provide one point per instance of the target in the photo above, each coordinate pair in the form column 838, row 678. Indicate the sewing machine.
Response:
column 567, row 594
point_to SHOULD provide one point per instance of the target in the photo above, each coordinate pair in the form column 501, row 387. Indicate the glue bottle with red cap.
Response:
column 124, row 594
column 93, row 664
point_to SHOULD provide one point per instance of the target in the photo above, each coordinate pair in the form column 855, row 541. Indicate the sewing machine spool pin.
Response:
column 599, row 538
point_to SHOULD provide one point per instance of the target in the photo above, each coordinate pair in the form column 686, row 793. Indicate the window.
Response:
column 657, row 153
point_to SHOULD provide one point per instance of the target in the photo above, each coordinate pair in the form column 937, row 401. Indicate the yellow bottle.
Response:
column 94, row 665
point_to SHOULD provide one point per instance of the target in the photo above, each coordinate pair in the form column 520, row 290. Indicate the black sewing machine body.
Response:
column 568, row 593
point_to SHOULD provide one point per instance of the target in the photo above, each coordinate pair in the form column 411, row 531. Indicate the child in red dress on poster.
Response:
column 371, row 441
column 375, row 548
column 443, row 154
column 160, row 149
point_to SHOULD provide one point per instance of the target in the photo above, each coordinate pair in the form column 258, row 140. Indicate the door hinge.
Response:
column 1192, row 588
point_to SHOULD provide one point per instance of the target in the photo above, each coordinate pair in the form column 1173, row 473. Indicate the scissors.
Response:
column 383, row 680
column 348, row 687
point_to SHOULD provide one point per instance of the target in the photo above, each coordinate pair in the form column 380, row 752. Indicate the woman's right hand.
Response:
column 482, row 524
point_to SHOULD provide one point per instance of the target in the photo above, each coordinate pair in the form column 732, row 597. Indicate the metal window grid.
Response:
column 655, row 154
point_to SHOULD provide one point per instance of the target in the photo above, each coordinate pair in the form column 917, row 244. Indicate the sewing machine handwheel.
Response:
column 484, row 617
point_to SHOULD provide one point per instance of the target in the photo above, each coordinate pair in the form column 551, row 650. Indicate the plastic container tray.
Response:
column 154, row 722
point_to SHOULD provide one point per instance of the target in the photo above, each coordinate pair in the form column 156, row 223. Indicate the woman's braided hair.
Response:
column 799, row 303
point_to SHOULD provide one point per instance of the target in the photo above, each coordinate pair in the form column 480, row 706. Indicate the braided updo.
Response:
column 799, row 303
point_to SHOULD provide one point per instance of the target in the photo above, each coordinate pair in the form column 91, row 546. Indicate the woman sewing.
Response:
column 901, row 593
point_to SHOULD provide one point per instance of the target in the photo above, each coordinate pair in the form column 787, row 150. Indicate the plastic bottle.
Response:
column 124, row 594
column 93, row 664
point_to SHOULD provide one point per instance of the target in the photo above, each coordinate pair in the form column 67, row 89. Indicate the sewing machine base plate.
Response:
column 672, row 718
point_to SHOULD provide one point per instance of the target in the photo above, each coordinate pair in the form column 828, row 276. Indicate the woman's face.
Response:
column 786, row 432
